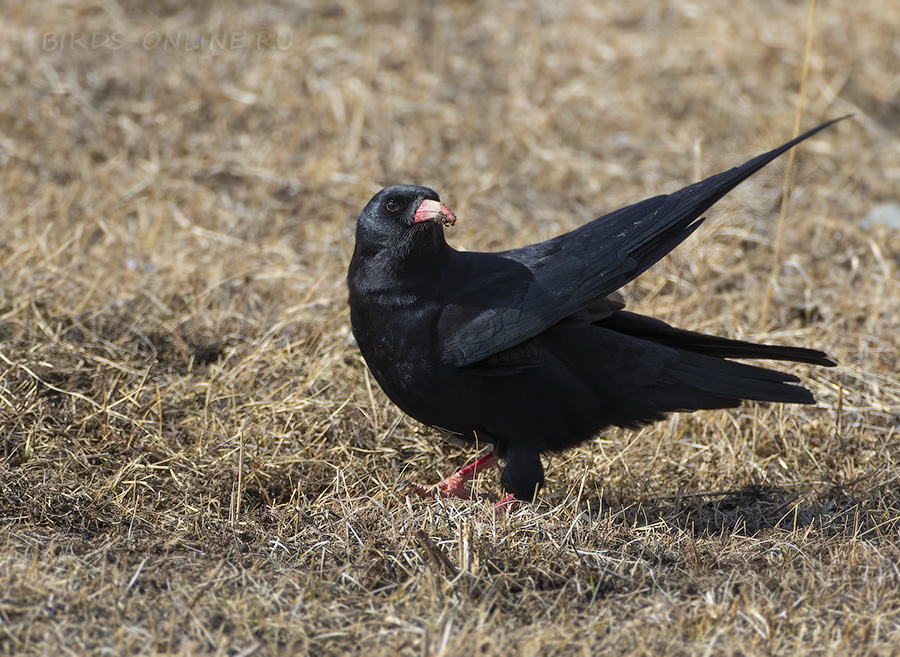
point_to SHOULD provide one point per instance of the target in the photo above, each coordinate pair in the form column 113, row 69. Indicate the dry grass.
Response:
column 191, row 460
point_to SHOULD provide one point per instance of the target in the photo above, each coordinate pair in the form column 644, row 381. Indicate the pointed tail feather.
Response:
column 656, row 330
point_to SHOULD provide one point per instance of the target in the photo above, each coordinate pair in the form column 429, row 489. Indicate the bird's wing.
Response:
column 524, row 291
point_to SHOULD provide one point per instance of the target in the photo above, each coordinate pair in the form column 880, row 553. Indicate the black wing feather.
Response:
column 540, row 284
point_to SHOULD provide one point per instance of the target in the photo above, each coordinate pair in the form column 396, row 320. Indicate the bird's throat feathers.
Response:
column 415, row 254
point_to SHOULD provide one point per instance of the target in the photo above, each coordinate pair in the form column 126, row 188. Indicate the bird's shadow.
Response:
column 753, row 510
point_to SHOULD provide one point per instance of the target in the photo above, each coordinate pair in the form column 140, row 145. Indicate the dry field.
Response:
column 193, row 459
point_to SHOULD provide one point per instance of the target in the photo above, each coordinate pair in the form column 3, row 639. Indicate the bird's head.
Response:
column 400, row 233
column 396, row 212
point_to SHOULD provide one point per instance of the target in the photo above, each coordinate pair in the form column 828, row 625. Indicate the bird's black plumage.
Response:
column 523, row 348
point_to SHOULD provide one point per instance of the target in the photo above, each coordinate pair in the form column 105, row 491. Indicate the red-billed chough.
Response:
column 524, row 349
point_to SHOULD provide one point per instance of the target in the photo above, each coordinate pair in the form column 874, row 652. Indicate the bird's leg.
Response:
column 455, row 484
column 506, row 504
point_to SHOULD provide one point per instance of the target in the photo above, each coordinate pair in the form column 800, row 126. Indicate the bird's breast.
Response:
column 400, row 346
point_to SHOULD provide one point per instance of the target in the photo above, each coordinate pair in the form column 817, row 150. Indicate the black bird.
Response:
column 524, row 348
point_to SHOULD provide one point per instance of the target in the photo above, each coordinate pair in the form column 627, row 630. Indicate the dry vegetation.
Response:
column 192, row 457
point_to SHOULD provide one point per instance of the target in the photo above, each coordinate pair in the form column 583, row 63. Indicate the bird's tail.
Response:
column 704, row 379
column 656, row 330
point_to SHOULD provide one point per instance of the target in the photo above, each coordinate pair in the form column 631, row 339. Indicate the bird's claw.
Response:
column 446, row 488
column 455, row 484
column 508, row 503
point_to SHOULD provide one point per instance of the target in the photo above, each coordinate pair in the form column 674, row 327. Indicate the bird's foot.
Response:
column 452, row 486
column 508, row 503
column 455, row 484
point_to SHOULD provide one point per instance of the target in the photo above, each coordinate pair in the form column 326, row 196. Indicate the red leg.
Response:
column 455, row 484
column 506, row 504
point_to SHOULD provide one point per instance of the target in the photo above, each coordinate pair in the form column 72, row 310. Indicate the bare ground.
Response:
column 193, row 459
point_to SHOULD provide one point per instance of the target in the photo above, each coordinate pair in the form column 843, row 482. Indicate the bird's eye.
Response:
column 392, row 206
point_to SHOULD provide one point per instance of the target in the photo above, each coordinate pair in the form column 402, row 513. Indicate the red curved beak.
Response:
column 436, row 212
